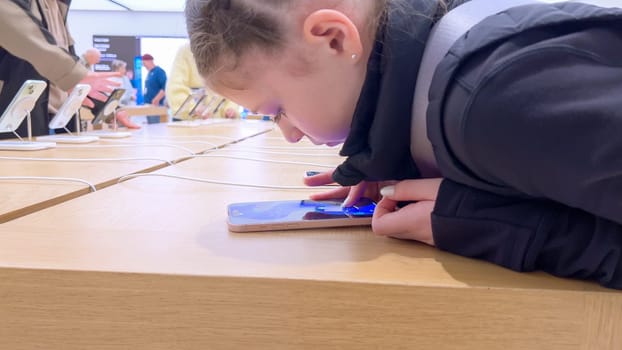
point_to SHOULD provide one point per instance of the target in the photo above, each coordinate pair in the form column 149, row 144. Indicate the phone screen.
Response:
column 196, row 106
column 296, row 211
column 106, row 112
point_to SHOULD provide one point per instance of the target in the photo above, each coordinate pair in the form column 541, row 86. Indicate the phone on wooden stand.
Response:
column 106, row 113
column 70, row 107
column 23, row 102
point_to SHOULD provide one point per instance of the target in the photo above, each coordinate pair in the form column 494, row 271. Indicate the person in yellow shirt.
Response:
column 184, row 80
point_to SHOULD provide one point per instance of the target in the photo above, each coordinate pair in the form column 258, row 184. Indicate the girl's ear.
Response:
column 334, row 32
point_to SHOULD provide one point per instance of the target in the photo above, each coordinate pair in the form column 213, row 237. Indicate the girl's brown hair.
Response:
column 221, row 31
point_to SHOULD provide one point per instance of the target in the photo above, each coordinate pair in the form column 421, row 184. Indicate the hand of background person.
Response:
column 101, row 84
column 201, row 112
column 412, row 221
column 231, row 113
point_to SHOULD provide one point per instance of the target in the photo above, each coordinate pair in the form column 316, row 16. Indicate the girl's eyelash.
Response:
column 279, row 114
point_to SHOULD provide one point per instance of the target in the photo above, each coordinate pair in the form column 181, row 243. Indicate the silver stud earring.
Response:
column 354, row 56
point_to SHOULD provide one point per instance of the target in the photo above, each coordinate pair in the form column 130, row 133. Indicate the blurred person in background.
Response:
column 128, row 97
column 35, row 44
column 185, row 80
column 154, row 85
column 90, row 58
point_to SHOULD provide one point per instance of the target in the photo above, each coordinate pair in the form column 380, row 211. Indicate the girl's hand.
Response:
column 412, row 221
column 324, row 179
column 351, row 193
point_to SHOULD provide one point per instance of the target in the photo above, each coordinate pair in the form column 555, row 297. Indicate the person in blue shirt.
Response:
column 155, row 85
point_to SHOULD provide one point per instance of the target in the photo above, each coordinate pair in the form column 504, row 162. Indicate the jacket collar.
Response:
column 377, row 146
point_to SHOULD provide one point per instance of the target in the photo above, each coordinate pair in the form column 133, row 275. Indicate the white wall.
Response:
column 84, row 24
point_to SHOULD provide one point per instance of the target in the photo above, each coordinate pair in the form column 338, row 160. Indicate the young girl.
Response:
column 525, row 118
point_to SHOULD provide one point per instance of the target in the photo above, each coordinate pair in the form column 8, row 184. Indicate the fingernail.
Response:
column 387, row 191
column 346, row 202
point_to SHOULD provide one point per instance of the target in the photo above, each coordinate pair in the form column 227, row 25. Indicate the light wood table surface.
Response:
column 149, row 264
column 160, row 111
column 103, row 163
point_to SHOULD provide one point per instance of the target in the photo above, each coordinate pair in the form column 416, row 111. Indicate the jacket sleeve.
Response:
column 24, row 36
column 547, row 123
column 527, row 234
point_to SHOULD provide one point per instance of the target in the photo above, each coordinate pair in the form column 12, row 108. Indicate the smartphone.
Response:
column 183, row 105
column 222, row 101
column 23, row 102
column 297, row 214
column 193, row 110
column 191, row 98
column 106, row 113
column 70, row 107
column 206, row 110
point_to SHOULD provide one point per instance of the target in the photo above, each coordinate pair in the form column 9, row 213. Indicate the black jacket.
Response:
column 522, row 118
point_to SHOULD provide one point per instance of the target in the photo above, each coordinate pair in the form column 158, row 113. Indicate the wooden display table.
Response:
column 144, row 110
column 149, row 149
column 150, row 264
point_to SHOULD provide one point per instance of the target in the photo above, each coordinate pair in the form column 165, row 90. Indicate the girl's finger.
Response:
column 387, row 219
column 356, row 192
column 413, row 190
column 338, row 193
column 384, row 207
column 411, row 222
column 319, row 179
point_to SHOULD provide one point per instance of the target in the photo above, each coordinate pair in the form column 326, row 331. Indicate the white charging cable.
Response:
column 168, row 144
column 211, row 155
column 267, row 152
column 127, row 145
column 47, row 178
column 314, row 148
column 191, row 137
column 81, row 160
column 225, row 183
